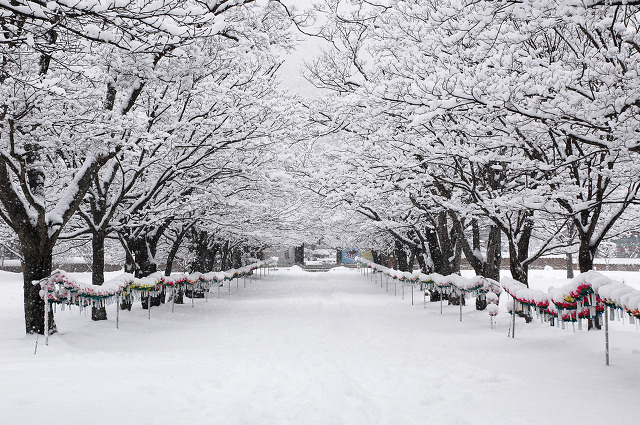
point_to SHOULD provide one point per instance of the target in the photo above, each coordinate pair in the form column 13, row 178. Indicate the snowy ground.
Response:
column 313, row 348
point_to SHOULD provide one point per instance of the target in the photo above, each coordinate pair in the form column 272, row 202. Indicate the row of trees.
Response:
column 450, row 129
column 463, row 126
column 150, row 123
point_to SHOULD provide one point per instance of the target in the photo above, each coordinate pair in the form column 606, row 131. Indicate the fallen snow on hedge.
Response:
column 63, row 289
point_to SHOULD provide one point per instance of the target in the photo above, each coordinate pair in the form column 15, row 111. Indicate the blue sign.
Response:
column 349, row 255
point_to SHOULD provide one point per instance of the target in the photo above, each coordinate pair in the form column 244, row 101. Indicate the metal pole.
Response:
column 461, row 295
column 117, row 311
column 606, row 333
column 237, row 283
column 173, row 299
column 411, row 292
column 513, row 325
column 440, row 300
column 46, row 314
column 149, row 303
column 206, row 299
column 193, row 296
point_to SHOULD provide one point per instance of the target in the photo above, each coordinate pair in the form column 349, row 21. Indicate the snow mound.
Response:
column 339, row 269
column 296, row 270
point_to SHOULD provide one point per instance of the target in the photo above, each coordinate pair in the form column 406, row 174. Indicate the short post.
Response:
column 46, row 314
column 441, row 300
column 193, row 296
column 402, row 283
column 230, row 285
column 206, row 299
column 218, row 283
column 461, row 298
column 606, row 333
column 173, row 299
column 149, row 304
column 412, row 292
column 117, row 311
column 513, row 323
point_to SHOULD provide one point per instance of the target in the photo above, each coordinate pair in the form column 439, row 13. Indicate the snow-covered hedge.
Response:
column 62, row 289
column 585, row 296
column 451, row 284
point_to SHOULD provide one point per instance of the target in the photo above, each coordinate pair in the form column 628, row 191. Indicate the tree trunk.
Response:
column 36, row 265
column 97, row 271
column 401, row 257
column 299, row 255
column 445, row 243
column 519, row 271
column 440, row 264
column 146, row 265
column 237, row 258
column 493, row 262
column 569, row 257
column 585, row 255
column 175, row 246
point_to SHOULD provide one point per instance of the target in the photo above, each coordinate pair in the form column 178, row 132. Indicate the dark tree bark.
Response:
column 440, row 263
column 401, row 257
column 36, row 265
column 298, row 254
column 97, row 271
column 493, row 264
column 569, row 258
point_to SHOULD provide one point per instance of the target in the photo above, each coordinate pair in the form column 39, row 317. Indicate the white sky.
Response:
column 290, row 71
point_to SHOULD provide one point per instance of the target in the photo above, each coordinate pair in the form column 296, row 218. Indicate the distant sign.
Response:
column 349, row 255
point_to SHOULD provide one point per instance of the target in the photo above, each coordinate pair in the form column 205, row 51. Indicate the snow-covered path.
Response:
column 314, row 348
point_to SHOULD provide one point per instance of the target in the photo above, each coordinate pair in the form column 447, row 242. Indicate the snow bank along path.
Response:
column 303, row 348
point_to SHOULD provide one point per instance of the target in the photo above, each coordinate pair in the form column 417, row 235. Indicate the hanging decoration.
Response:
column 62, row 289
